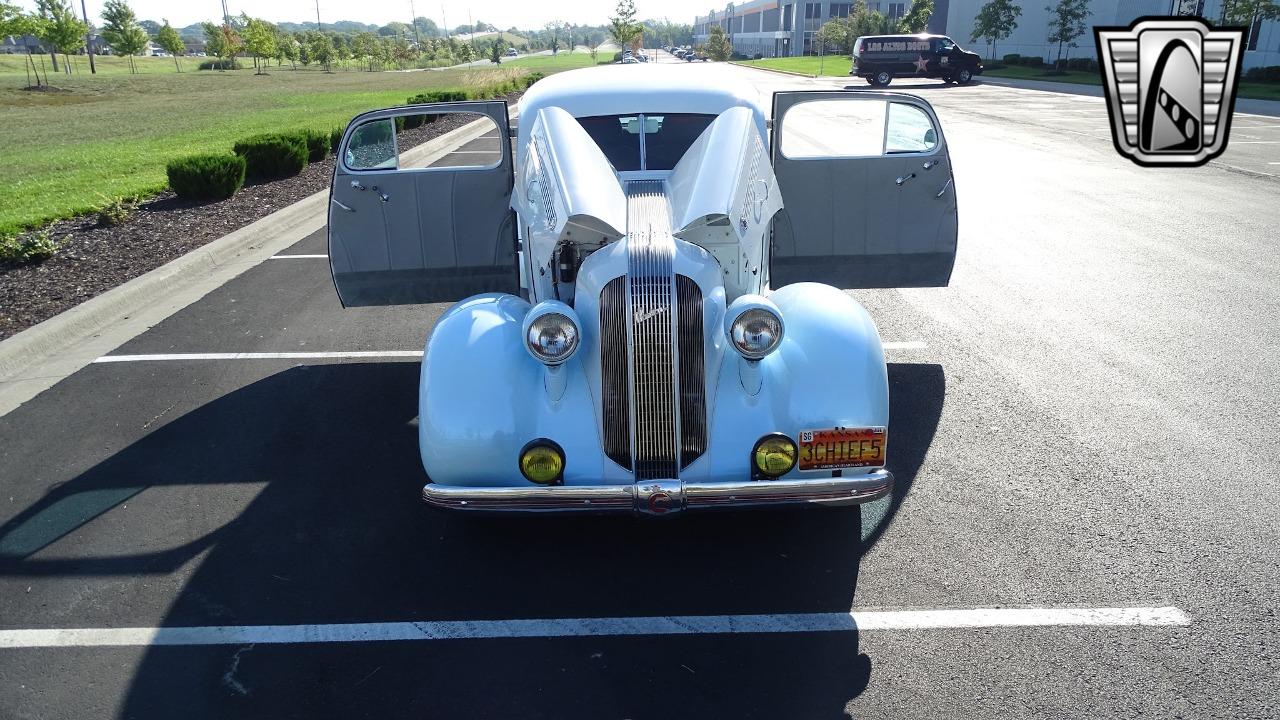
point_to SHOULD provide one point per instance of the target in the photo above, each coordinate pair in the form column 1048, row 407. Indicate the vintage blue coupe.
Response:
column 649, row 277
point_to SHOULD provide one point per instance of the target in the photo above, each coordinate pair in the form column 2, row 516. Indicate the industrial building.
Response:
column 777, row 28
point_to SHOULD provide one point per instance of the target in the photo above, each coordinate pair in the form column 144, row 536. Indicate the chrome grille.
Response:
column 650, row 252
column 693, row 399
column 613, row 367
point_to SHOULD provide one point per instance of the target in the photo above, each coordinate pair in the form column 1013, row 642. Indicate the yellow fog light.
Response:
column 774, row 455
column 542, row 461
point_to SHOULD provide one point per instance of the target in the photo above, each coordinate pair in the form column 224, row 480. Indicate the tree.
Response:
column 623, row 27
column 121, row 31
column 223, row 42
column 259, row 41
column 464, row 53
column 718, row 47
column 1066, row 23
column 917, row 18
column 837, row 34
column 1248, row 12
column 320, row 48
column 62, row 30
column 169, row 39
column 496, row 50
column 19, row 24
column 286, row 48
column 995, row 21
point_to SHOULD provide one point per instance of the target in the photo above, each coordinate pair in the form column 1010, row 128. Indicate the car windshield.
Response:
column 666, row 138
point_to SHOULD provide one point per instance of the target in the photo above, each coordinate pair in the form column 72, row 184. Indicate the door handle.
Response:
column 355, row 185
column 344, row 207
column 384, row 197
column 944, row 188
column 928, row 165
column 905, row 178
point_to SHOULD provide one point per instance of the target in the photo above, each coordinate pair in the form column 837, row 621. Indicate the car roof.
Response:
column 902, row 36
column 652, row 87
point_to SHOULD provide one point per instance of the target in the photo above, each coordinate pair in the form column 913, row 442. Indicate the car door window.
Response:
column 909, row 130
column 834, row 128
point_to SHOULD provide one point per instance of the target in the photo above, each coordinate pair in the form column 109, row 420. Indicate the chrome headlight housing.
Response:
column 551, row 332
column 754, row 326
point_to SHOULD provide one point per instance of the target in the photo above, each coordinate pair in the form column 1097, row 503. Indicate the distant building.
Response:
column 778, row 28
column 14, row 44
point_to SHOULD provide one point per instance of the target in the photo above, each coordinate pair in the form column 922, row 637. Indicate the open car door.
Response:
column 867, row 188
column 413, row 220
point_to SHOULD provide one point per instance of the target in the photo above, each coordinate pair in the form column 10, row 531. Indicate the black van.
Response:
column 881, row 58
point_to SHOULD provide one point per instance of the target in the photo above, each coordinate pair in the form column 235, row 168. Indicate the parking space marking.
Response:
column 595, row 627
column 350, row 354
column 296, row 257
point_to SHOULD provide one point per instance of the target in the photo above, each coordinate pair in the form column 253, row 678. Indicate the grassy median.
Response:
column 100, row 137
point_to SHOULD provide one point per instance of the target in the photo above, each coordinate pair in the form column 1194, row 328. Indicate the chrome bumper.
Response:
column 661, row 497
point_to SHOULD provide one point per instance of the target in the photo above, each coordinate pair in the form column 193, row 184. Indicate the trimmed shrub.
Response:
column 1082, row 64
column 435, row 96
column 1012, row 59
column 207, row 176
column 228, row 64
column 317, row 144
column 274, row 155
column 335, row 139
column 532, row 78
column 1271, row 73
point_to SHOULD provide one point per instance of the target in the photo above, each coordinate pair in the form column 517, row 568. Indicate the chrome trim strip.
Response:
column 696, row 496
column 692, row 373
column 615, row 392
column 650, row 254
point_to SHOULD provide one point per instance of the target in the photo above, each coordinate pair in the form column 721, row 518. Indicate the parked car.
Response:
column 649, row 284
column 512, row 52
column 881, row 58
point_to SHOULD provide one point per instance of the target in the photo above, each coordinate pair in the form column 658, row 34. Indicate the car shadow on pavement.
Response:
column 338, row 535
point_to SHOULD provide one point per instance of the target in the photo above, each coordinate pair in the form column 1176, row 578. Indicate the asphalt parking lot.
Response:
column 1084, row 419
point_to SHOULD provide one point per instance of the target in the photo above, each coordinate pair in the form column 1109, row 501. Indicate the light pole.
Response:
column 88, row 41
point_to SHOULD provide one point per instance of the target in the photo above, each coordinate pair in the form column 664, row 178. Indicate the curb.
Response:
column 37, row 358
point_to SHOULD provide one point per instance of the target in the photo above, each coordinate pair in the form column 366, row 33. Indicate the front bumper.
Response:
column 661, row 497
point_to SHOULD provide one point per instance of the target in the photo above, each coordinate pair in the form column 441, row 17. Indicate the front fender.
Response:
column 828, row 372
column 482, row 397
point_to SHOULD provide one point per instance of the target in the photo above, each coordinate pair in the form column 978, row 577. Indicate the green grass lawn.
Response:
column 556, row 63
column 1259, row 91
column 826, row 66
column 110, row 135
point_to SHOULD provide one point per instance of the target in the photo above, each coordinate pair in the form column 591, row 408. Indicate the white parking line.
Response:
column 166, row 357
column 295, row 257
column 595, row 627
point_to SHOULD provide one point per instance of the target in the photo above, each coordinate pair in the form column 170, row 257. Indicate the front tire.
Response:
column 964, row 76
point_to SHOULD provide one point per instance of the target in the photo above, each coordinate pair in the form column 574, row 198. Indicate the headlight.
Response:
column 756, row 332
column 542, row 462
column 774, row 455
column 551, row 336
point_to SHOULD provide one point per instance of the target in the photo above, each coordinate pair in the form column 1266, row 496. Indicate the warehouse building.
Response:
column 777, row 28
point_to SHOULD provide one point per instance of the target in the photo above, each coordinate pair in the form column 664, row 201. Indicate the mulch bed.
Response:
column 93, row 258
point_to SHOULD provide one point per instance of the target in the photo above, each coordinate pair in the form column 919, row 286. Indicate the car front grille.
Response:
column 669, row 426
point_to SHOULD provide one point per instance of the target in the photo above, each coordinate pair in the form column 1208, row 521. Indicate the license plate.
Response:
column 842, row 448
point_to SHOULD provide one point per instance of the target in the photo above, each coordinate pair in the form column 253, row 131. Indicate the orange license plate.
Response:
column 842, row 448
